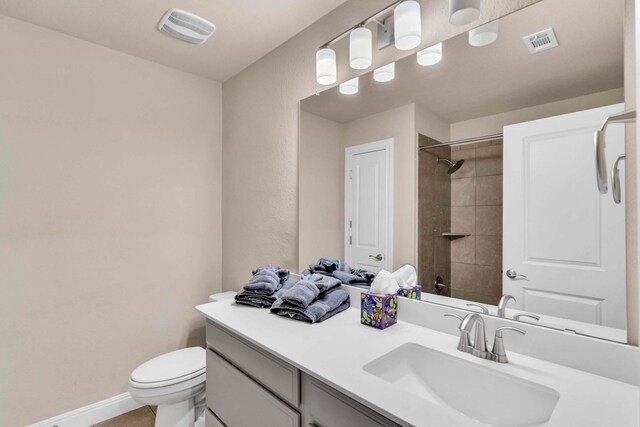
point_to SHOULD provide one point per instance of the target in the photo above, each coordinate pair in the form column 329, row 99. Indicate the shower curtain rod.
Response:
column 474, row 140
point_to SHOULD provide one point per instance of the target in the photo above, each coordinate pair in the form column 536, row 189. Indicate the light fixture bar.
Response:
column 371, row 18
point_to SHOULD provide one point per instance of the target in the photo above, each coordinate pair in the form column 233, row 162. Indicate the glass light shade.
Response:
column 385, row 73
column 360, row 48
column 349, row 87
column 326, row 68
column 407, row 24
column 485, row 34
column 431, row 55
column 463, row 12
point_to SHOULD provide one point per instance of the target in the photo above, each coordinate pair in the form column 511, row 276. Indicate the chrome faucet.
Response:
column 502, row 305
column 479, row 346
column 502, row 309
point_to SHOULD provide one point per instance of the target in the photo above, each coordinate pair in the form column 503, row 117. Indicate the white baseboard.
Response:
column 94, row 413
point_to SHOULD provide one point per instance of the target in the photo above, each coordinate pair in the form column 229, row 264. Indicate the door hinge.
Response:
column 350, row 240
column 350, row 173
column 350, row 224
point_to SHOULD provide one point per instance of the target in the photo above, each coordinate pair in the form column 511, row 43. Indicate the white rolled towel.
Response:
column 406, row 276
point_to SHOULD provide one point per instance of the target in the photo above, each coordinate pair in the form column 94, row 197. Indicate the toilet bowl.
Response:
column 175, row 383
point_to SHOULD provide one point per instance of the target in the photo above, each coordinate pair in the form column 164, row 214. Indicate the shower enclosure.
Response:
column 460, row 218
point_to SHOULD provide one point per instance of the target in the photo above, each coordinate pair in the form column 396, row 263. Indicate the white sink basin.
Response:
column 486, row 395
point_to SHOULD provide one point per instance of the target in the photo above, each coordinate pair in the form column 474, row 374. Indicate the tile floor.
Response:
column 141, row 417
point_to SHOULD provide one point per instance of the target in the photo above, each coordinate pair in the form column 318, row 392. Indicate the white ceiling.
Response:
column 246, row 29
column 475, row 82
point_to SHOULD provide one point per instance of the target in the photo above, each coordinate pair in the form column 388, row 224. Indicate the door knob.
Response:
column 376, row 257
column 512, row 274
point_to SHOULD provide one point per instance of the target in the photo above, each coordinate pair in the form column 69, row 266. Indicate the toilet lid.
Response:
column 171, row 368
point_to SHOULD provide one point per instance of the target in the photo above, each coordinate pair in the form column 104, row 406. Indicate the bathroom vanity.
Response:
column 269, row 371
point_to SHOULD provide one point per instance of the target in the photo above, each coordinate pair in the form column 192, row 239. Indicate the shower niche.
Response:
column 460, row 218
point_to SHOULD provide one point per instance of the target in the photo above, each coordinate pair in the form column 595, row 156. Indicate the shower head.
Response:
column 452, row 166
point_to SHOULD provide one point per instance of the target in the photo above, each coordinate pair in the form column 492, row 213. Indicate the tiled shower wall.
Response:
column 467, row 201
column 476, row 208
column 434, row 216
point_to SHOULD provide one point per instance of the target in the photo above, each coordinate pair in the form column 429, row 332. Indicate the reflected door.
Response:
column 368, row 204
column 564, row 242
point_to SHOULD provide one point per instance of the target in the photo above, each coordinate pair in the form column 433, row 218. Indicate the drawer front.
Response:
column 282, row 379
column 323, row 406
column 238, row 401
column 211, row 420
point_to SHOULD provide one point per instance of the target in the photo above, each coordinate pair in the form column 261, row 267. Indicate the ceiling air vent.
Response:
column 540, row 41
column 186, row 26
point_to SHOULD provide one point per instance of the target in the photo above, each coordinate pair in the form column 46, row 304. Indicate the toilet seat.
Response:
column 180, row 366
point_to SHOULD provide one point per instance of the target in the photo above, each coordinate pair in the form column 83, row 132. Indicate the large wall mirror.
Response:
column 480, row 169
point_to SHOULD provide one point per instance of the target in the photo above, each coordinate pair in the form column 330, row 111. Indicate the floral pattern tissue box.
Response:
column 378, row 310
column 414, row 292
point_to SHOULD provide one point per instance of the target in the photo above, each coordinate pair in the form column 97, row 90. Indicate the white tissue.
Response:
column 406, row 276
column 384, row 283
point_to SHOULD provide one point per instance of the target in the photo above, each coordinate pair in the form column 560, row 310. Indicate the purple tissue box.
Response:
column 414, row 292
column 378, row 310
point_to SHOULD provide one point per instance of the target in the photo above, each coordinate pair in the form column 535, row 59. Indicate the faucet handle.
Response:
column 457, row 316
column 529, row 315
column 465, row 342
column 484, row 309
column 498, row 352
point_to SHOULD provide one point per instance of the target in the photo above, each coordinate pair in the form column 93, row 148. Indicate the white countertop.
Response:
column 335, row 351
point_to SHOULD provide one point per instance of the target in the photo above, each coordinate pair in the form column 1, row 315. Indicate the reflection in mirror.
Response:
column 480, row 170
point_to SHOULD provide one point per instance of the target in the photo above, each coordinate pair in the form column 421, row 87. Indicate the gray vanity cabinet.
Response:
column 247, row 386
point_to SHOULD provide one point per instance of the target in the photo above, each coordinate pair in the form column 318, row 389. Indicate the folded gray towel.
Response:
column 264, row 282
column 324, row 283
column 282, row 273
column 301, row 294
column 333, row 302
column 248, row 297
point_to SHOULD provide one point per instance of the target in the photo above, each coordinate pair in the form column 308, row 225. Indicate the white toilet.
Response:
column 175, row 382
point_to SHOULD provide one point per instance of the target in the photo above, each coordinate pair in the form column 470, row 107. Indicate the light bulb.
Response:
column 431, row 55
column 385, row 73
column 349, row 87
column 326, row 67
column 360, row 48
column 407, row 24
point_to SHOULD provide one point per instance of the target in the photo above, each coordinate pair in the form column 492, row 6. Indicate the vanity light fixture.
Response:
column 485, row 34
column 349, row 87
column 326, row 67
column 407, row 24
column 385, row 73
column 463, row 12
column 360, row 48
column 431, row 55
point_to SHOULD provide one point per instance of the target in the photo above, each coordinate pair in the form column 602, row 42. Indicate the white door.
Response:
column 559, row 231
column 368, row 205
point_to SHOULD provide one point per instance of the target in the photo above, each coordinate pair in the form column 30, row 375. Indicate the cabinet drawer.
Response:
column 323, row 406
column 238, row 401
column 282, row 379
column 210, row 420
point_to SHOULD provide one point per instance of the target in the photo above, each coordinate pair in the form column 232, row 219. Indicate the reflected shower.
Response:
column 452, row 166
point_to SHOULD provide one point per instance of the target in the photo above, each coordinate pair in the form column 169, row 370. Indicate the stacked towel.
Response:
column 332, row 302
column 340, row 270
column 261, row 289
column 308, row 289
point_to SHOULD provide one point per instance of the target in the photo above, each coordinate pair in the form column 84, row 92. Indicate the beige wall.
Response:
column 110, row 217
column 322, row 189
column 260, row 208
column 399, row 124
column 491, row 125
